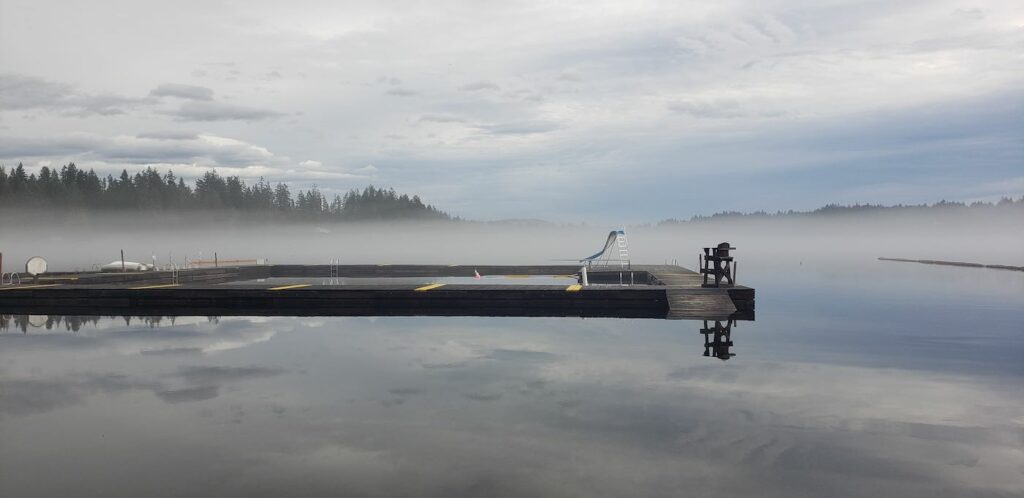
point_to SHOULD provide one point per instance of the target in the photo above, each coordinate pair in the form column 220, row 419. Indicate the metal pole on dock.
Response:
column 583, row 273
column 215, row 259
column 122, row 260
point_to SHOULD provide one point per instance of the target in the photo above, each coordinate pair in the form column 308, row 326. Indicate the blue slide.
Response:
column 607, row 244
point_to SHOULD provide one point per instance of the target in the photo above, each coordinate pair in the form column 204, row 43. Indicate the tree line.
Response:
column 73, row 188
column 1006, row 204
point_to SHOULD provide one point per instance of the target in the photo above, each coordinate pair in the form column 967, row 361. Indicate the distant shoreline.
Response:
column 954, row 263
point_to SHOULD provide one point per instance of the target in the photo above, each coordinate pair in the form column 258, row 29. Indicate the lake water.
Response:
column 884, row 380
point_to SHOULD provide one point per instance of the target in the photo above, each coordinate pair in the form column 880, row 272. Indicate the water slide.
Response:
column 612, row 237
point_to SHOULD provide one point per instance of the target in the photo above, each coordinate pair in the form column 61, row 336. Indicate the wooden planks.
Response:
column 687, row 298
column 704, row 304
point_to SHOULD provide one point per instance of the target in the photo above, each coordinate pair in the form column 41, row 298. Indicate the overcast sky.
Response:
column 592, row 111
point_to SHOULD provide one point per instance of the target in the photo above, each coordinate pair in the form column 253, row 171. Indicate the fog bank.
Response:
column 81, row 240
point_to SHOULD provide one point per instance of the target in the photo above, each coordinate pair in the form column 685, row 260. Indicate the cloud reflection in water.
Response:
column 482, row 406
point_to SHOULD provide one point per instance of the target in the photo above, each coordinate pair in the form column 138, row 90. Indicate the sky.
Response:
column 566, row 111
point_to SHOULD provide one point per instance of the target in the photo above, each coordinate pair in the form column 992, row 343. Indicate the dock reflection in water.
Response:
column 475, row 406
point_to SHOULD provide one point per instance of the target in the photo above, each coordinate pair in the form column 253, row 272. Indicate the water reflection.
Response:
column 74, row 323
column 717, row 333
column 718, row 338
column 348, row 406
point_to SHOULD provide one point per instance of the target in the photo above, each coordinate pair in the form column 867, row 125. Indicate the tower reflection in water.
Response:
column 718, row 338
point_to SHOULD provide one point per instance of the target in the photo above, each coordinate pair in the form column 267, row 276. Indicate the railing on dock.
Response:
column 334, row 272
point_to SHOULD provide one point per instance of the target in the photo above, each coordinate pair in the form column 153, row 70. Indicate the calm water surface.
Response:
column 885, row 381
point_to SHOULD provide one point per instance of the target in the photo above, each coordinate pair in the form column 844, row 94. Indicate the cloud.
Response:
column 26, row 92
column 521, row 127
column 517, row 355
column 974, row 14
column 440, row 118
column 570, row 75
column 219, row 111
column 723, row 108
column 480, row 85
column 19, row 92
column 192, row 92
column 402, row 92
column 208, row 149
column 704, row 108
column 169, row 135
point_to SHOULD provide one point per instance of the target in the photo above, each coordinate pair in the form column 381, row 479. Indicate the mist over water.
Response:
column 85, row 239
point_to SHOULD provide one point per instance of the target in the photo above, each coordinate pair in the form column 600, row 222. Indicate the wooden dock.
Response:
column 645, row 291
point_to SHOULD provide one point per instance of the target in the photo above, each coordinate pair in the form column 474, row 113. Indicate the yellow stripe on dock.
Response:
column 573, row 288
column 286, row 287
column 38, row 286
column 428, row 287
column 163, row 286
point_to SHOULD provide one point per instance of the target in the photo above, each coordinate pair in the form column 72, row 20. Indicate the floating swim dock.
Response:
column 637, row 291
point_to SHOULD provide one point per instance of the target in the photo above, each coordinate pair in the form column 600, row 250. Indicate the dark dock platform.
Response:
column 644, row 291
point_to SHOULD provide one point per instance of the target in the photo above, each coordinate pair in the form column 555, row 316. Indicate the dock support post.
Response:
column 583, row 276
column 215, row 259
column 122, row 260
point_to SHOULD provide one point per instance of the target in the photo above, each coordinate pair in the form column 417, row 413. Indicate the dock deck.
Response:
column 644, row 291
